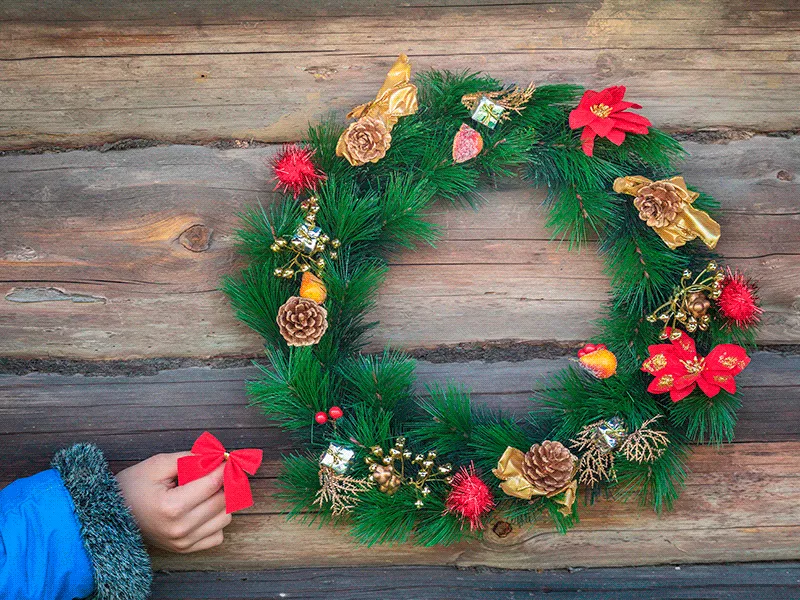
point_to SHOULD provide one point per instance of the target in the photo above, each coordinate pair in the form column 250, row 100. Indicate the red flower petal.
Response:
column 660, row 385
column 587, row 141
column 616, row 93
column 605, row 97
column 602, row 126
column 709, row 388
column 684, row 345
column 632, row 128
column 723, row 380
column 580, row 117
column 727, row 358
column 679, row 394
column 620, row 106
column 632, row 118
column 616, row 136
column 662, row 360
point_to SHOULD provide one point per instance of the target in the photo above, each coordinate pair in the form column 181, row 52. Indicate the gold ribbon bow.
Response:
column 397, row 98
column 368, row 139
column 688, row 224
column 509, row 469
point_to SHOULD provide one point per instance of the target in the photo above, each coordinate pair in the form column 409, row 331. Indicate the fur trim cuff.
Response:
column 119, row 559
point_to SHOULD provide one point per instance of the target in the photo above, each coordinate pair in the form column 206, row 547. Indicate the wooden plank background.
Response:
column 776, row 581
column 92, row 243
column 739, row 502
column 114, row 251
column 77, row 73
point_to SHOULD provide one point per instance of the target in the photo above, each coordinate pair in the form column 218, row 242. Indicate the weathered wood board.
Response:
column 95, row 262
column 739, row 503
column 776, row 581
column 73, row 73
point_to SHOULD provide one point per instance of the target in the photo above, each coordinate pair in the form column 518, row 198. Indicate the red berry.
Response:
column 586, row 350
column 600, row 347
column 335, row 412
column 321, row 417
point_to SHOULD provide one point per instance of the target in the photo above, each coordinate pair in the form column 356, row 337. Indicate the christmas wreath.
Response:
column 393, row 465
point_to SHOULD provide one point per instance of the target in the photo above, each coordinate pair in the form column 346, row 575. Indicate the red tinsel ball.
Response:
column 294, row 170
column 470, row 497
column 335, row 412
column 738, row 301
column 321, row 417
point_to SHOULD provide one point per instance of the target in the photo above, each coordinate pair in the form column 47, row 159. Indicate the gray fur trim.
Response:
column 120, row 561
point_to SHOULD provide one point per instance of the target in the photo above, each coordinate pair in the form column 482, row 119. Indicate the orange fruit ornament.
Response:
column 311, row 287
column 599, row 360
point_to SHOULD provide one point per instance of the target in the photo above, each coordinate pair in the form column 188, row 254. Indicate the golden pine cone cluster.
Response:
column 549, row 466
column 302, row 321
column 658, row 203
column 387, row 480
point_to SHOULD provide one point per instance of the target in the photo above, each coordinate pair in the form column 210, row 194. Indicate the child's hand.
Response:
column 180, row 519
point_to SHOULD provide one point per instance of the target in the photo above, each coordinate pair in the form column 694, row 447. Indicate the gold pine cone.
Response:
column 366, row 140
column 696, row 304
column 658, row 203
column 549, row 467
column 302, row 322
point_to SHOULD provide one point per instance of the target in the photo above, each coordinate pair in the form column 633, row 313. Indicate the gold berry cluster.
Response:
column 388, row 470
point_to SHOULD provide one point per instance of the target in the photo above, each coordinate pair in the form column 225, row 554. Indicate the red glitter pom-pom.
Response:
column 470, row 497
column 738, row 301
column 294, row 170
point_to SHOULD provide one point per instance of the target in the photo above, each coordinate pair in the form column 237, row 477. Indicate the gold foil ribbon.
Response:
column 690, row 222
column 509, row 470
column 397, row 98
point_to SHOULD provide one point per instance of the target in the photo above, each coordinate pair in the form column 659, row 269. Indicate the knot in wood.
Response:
column 197, row 238
column 785, row 175
column 502, row 529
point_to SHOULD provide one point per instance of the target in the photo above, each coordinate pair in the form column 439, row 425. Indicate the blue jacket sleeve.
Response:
column 41, row 550
column 66, row 533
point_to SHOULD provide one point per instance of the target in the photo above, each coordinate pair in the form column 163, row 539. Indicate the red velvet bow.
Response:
column 209, row 453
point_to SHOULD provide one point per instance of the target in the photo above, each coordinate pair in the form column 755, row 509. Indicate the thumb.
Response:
column 165, row 466
column 196, row 492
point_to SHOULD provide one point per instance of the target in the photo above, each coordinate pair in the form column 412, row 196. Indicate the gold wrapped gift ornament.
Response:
column 368, row 139
column 666, row 206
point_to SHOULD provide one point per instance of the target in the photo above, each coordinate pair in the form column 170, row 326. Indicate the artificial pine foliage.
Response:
column 379, row 208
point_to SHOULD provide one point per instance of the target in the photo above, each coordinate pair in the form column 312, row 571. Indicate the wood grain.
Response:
column 131, row 417
column 73, row 75
column 94, row 260
column 776, row 581
column 740, row 502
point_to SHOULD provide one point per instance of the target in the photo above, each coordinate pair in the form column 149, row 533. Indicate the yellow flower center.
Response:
column 601, row 110
column 693, row 366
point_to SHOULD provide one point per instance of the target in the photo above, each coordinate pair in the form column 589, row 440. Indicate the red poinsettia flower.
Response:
column 678, row 369
column 604, row 114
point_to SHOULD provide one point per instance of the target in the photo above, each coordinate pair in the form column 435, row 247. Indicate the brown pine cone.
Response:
column 659, row 203
column 549, row 466
column 302, row 321
column 366, row 140
column 697, row 304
